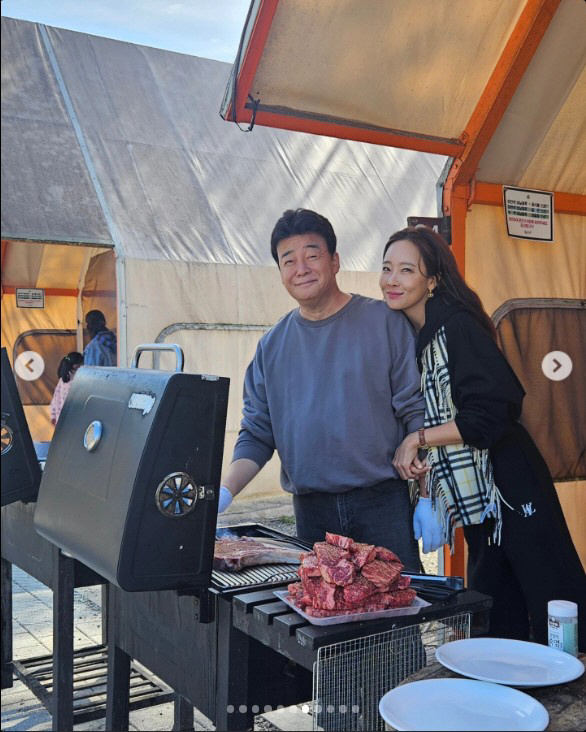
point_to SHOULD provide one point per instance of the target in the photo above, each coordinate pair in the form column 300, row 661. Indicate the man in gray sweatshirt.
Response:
column 334, row 388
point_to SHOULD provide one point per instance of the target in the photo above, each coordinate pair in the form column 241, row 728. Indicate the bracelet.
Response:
column 422, row 443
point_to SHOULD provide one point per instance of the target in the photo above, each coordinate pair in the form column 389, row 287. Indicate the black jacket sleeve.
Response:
column 485, row 389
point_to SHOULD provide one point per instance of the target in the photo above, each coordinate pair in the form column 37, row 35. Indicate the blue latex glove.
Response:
column 225, row 499
column 427, row 526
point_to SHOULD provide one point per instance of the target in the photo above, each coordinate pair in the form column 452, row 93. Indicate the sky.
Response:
column 207, row 28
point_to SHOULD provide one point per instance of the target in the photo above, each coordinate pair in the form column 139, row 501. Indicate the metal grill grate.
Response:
column 250, row 576
column 351, row 677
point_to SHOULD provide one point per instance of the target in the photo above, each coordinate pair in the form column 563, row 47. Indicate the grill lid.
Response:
column 130, row 486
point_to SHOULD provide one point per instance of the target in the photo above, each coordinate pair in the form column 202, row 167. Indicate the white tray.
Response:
column 413, row 609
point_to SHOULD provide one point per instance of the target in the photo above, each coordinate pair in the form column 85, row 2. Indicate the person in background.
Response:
column 333, row 387
column 485, row 472
column 66, row 371
column 101, row 350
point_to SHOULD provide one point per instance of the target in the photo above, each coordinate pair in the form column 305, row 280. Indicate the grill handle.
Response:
column 158, row 347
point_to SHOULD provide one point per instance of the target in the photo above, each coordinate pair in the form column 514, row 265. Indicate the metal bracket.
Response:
column 441, row 224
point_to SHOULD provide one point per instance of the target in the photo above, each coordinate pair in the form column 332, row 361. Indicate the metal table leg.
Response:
column 118, row 679
column 183, row 714
column 105, row 600
column 6, row 651
column 62, row 697
column 232, row 712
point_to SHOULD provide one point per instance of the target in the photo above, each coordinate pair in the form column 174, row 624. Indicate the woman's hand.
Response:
column 427, row 525
column 406, row 462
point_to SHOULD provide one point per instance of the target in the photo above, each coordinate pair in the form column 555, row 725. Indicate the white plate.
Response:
column 413, row 609
column 512, row 662
column 461, row 704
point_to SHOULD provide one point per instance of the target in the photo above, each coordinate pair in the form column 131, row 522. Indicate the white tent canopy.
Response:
column 119, row 149
column 178, row 184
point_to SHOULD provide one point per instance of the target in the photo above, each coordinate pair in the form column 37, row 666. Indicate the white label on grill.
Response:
column 144, row 402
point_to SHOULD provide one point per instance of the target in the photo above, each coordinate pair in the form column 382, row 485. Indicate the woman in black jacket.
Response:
column 484, row 472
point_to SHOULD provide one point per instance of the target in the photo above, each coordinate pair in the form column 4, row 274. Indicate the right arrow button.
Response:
column 556, row 365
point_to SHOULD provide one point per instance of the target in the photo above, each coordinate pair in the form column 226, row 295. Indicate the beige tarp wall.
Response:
column 501, row 268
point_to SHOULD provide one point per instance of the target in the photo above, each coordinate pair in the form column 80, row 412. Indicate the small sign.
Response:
column 30, row 297
column 529, row 213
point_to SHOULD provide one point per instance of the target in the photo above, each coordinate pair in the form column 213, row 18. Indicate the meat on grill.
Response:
column 343, row 577
column 233, row 554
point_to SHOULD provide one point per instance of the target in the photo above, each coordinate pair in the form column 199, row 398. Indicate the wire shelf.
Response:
column 351, row 677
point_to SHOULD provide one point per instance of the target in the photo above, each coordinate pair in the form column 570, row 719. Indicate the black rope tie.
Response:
column 255, row 103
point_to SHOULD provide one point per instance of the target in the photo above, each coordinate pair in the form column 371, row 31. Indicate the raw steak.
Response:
column 309, row 566
column 342, row 541
column 382, row 574
column 232, row 555
column 342, row 577
column 334, row 564
column 400, row 598
column 358, row 592
column 386, row 555
column 363, row 553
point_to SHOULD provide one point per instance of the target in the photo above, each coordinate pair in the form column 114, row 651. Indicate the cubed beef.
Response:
column 357, row 593
column 342, row 573
column 309, row 566
column 362, row 553
column 382, row 574
column 403, row 583
column 386, row 555
column 342, row 541
column 329, row 554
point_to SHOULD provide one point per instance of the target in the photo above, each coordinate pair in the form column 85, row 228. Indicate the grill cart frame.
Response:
column 65, row 669
column 210, row 646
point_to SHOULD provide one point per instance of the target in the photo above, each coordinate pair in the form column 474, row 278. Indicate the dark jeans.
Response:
column 381, row 515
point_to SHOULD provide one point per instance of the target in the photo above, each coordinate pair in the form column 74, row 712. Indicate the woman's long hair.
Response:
column 439, row 262
column 68, row 365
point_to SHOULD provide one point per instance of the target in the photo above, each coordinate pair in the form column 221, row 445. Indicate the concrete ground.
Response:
column 33, row 636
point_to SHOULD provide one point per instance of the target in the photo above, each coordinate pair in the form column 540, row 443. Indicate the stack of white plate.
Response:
column 487, row 702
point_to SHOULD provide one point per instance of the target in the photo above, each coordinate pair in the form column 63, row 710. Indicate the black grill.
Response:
column 261, row 576
column 130, row 487
column 21, row 473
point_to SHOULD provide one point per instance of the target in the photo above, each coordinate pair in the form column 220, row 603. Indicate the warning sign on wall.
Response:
column 529, row 213
column 30, row 297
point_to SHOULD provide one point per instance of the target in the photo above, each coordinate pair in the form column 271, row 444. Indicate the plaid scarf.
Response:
column 460, row 482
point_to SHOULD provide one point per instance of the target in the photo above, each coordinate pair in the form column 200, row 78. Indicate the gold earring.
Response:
column 430, row 293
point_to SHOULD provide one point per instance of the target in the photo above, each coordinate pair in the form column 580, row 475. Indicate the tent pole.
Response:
column 121, row 309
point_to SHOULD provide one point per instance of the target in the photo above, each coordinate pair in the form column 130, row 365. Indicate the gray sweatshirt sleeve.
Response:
column 408, row 401
column 255, row 439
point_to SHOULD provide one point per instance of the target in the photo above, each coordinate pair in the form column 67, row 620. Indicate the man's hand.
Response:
column 239, row 475
column 406, row 461
column 427, row 526
column 225, row 499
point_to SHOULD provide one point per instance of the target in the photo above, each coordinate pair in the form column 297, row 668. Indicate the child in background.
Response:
column 65, row 372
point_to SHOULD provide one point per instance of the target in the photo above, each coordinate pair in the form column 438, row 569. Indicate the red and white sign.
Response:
column 529, row 213
column 30, row 297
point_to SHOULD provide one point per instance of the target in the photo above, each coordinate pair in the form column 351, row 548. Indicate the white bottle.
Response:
column 563, row 626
